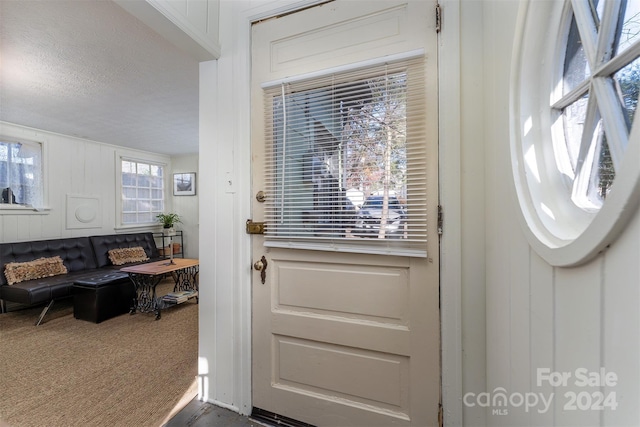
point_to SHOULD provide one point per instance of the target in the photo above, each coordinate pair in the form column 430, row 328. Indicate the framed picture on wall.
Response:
column 184, row 184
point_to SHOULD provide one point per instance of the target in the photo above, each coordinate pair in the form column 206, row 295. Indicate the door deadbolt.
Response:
column 261, row 196
column 253, row 227
column 261, row 266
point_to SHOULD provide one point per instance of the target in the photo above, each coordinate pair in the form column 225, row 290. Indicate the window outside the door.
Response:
column 575, row 140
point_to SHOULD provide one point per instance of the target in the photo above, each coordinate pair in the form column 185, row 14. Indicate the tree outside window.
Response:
column 340, row 163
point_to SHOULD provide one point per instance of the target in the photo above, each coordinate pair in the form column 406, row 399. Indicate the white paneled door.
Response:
column 344, row 333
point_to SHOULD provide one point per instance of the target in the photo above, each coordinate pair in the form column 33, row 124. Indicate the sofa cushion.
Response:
column 16, row 272
column 123, row 256
column 103, row 244
column 76, row 253
column 39, row 291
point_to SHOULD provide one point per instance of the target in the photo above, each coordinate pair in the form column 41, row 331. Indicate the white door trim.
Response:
column 450, row 199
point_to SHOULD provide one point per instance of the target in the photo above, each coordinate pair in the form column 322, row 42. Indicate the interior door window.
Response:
column 345, row 160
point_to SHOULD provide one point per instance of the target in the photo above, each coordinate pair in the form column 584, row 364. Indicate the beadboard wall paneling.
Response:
column 506, row 257
column 621, row 325
column 542, row 335
column 539, row 316
column 579, row 319
column 72, row 166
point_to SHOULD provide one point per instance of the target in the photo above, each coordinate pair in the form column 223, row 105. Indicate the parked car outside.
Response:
column 369, row 218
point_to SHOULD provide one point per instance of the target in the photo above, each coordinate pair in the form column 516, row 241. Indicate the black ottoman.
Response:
column 102, row 297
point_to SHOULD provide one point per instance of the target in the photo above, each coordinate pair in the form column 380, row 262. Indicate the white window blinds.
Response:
column 345, row 161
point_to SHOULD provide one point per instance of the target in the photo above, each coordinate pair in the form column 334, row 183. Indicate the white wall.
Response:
column 536, row 316
column 188, row 206
column 225, row 259
column 80, row 167
column 72, row 166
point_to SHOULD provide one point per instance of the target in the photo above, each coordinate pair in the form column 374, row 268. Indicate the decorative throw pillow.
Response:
column 127, row 255
column 16, row 272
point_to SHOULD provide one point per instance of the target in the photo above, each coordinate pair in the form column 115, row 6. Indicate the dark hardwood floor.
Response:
column 202, row 414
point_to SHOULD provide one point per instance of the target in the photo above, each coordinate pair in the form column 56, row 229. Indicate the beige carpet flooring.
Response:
column 128, row 371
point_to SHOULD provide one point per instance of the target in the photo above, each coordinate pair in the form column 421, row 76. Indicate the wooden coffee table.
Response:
column 145, row 278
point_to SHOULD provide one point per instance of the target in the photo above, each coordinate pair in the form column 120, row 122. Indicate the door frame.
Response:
column 235, row 31
column 449, row 178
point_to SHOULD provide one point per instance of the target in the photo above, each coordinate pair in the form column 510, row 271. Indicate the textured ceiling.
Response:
column 89, row 69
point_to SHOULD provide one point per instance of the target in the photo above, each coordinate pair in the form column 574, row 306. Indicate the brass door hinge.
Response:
column 255, row 227
column 438, row 18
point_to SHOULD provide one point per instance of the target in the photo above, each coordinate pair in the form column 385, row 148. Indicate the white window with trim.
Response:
column 21, row 181
column 345, row 162
column 142, row 186
column 575, row 144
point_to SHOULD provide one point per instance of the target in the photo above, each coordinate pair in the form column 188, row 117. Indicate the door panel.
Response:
column 328, row 380
column 346, row 37
column 341, row 33
column 374, row 293
column 345, row 339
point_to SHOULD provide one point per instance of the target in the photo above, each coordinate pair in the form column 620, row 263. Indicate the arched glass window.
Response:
column 597, row 99
column 575, row 148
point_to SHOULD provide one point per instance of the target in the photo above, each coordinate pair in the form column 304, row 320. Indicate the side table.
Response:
column 145, row 278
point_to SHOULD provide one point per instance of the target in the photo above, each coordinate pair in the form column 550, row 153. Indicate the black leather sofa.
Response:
column 99, row 288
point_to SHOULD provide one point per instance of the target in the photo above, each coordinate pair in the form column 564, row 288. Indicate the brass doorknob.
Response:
column 261, row 266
